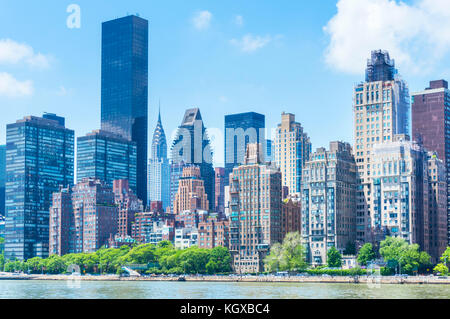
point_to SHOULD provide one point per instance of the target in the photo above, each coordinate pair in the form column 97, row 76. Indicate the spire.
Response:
column 159, row 143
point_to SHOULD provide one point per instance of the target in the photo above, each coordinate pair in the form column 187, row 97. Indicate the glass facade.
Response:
column 2, row 178
column 39, row 159
column 125, row 87
column 240, row 130
column 108, row 157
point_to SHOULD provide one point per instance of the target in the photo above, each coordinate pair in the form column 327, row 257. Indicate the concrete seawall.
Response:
column 269, row 279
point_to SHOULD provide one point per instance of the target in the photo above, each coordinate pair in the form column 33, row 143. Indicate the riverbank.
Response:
column 417, row 280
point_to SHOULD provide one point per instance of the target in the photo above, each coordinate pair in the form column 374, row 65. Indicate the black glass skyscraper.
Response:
column 2, row 178
column 240, row 130
column 125, row 87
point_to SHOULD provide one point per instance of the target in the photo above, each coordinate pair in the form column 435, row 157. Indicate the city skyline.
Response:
column 65, row 78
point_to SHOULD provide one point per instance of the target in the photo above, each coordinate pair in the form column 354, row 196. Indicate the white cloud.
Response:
column 12, row 52
column 417, row 36
column 202, row 20
column 250, row 43
column 238, row 20
column 11, row 87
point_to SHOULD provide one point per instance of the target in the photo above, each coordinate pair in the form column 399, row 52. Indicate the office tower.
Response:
column 381, row 110
column 159, row 168
column 191, row 193
column 95, row 215
column 61, row 223
column 39, row 159
column 437, row 206
column 220, row 190
column 292, row 150
column 255, row 221
column 430, row 111
column 106, row 156
column 400, row 191
column 329, row 201
column 269, row 151
column 191, row 146
column 2, row 178
column 240, row 130
column 291, row 216
column 125, row 87
column 128, row 206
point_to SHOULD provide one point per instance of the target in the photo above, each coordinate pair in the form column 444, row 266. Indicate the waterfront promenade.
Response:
column 236, row 278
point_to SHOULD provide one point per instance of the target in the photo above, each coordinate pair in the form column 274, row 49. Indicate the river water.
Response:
column 18, row 289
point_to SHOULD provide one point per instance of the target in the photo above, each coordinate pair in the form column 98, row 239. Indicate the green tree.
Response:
column 441, row 269
column 334, row 258
column 399, row 254
column 446, row 257
column 219, row 261
column 290, row 255
column 366, row 254
column 34, row 265
column 55, row 264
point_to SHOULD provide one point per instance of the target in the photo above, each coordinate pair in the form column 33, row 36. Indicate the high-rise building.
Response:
column 176, row 171
column 292, row 150
column 191, row 193
column 240, row 130
column 329, row 201
column 213, row 232
column 399, row 183
column 39, row 159
column 61, row 223
column 291, row 217
column 128, row 206
column 437, row 206
column 125, row 87
column 430, row 111
column 85, row 215
column 256, row 210
column 159, row 168
column 220, row 190
column 381, row 110
column 269, row 151
column 2, row 178
column 106, row 156
column 191, row 146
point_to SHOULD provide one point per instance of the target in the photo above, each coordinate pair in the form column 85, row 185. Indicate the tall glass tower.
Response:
column 2, row 178
column 191, row 146
column 125, row 87
column 159, row 168
column 39, row 160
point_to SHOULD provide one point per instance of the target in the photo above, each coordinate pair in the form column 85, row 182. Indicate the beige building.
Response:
column 292, row 150
column 381, row 106
column 329, row 201
column 190, row 186
column 255, row 221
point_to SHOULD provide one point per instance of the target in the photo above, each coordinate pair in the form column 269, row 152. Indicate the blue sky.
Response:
column 222, row 56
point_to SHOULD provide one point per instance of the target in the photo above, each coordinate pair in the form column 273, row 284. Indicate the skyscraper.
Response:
column 2, row 178
column 328, row 201
column 255, row 221
column 39, row 159
column 381, row 110
column 159, row 168
column 128, row 206
column 292, row 150
column 240, row 130
column 430, row 111
column 125, row 87
column 106, row 156
column 191, row 146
